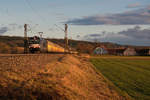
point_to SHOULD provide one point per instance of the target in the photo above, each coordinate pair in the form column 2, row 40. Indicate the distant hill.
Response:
column 10, row 44
column 14, row 44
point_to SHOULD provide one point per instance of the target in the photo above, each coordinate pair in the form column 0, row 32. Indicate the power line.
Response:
column 59, row 27
column 30, row 29
column 35, row 11
column 43, row 19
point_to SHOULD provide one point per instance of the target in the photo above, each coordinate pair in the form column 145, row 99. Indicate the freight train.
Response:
column 40, row 45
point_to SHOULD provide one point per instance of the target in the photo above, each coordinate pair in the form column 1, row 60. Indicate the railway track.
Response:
column 18, row 55
column 26, row 61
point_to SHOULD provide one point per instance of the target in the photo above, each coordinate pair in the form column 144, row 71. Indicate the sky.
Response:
column 118, row 21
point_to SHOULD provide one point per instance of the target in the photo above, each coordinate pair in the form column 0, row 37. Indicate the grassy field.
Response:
column 130, row 74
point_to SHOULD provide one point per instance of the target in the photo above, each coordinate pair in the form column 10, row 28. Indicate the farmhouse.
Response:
column 100, row 51
column 122, row 51
column 143, row 52
column 130, row 52
column 111, row 51
column 116, row 51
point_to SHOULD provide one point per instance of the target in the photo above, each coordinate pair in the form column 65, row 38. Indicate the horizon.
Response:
column 80, row 40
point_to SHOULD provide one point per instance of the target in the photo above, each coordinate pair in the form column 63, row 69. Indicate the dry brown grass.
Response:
column 52, row 77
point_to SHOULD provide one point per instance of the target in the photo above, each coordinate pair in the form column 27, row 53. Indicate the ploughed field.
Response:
column 52, row 77
column 130, row 74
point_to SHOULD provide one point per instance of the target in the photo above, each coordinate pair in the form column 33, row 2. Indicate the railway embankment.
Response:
column 52, row 77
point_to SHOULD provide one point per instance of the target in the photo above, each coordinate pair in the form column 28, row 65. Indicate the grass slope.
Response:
column 52, row 77
column 130, row 74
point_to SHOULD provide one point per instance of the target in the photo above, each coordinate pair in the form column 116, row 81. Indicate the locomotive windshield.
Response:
column 34, row 40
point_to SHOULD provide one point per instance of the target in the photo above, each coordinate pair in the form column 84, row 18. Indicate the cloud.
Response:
column 3, row 30
column 20, row 26
column 134, row 5
column 135, row 17
column 14, row 26
column 132, row 36
column 137, row 33
column 95, row 35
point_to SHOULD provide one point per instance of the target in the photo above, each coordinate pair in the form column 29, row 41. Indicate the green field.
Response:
column 130, row 74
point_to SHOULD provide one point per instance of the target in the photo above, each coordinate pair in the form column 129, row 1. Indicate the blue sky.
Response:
column 83, row 16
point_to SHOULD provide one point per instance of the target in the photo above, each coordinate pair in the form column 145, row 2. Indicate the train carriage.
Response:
column 52, row 48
